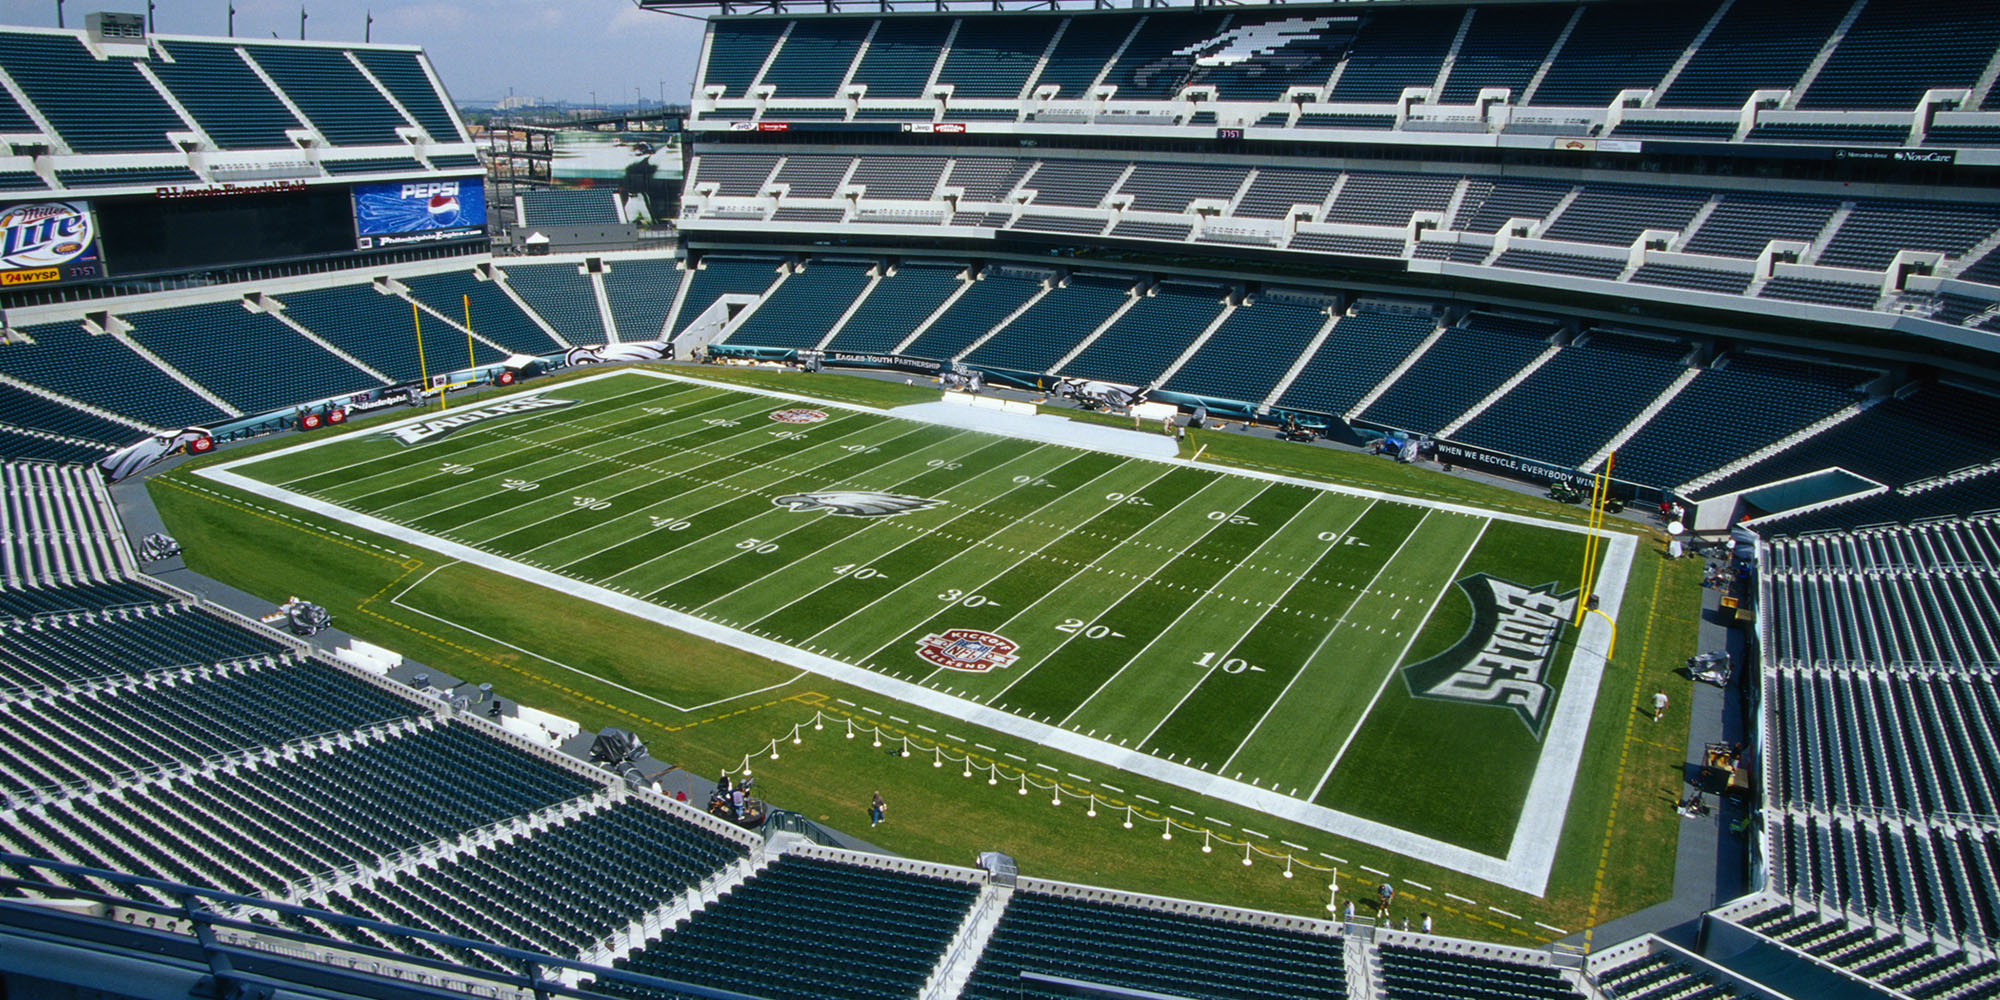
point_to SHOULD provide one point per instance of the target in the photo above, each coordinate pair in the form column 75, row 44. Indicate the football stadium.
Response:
column 1405, row 499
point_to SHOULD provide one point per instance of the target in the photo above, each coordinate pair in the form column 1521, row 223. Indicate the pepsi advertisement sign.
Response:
column 48, row 242
column 407, row 213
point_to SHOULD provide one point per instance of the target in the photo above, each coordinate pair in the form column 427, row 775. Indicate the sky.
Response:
column 558, row 50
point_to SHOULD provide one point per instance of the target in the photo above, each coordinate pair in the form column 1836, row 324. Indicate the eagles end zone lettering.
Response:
column 1503, row 658
column 428, row 430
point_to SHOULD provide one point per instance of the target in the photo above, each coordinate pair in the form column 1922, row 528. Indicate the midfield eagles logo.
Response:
column 854, row 503
column 437, row 427
column 1503, row 658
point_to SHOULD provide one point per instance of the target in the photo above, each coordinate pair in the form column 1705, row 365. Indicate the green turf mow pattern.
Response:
column 1240, row 626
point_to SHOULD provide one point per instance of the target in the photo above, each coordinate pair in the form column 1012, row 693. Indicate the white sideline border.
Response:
column 1530, row 856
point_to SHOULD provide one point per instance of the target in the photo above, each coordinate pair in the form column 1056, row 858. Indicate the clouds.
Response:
column 556, row 51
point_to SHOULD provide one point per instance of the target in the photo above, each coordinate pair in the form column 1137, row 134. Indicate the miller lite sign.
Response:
column 48, row 241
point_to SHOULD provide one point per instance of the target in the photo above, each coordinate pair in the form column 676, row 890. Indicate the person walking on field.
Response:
column 1659, row 704
column 877, row 810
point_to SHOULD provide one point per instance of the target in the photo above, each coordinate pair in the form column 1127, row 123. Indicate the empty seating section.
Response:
column 1274, row 192
column 1363, row 349
column 375, row 328
column 1394, row 50
column 403, row 75
column 1250, row 351
column 1161, row 187
column 641, row 292
column 1419, row 974
column 1894, row 52
column 1050, row 328
column 719, row 276
column 990, row 300
column 23, row 409
column 97, row 107
column 1674, row 128
column 563, row 296
column 1862, row 738
column 494, row 316
column 1503, row 48
column 1389, row 199
column 810, row 176
column 30, row 446
column 588, row 207
column 1658, row 975
column 1697, row 278
column 1928, row 876
column 992, row 56
column 121, row 176
column 902, row 178
column 898, row 304
column 1605, row 268
column 226, row 97
column 182, row 718
column 341, row 103
column 1838, row 132
column 1058, row 224
column 1146, row 68
column 101, row 371
column 900, row 57
column 1488, row 203
column 1463, row 366
column 1616, row 214
column 1575, row 402
column 1077, row 183
column 1296, row 50
column 371, row 165
column 1874, row 232
column 814, row 56
column 1144, row 341
column 805, row 307
column 811, row 929
column 13, row 117
column 1136, row 948
column 735, row 175
column 1758, row 45
column 57, row 530
column 1743, row 224
column 1826, row 293
column 59, row 650
column 1615, row 47
column 1730, row 411
column 1957, row 424
column 252, row 360
column 736, row 52
column 1081, row 55
column 561, row 889
column 986, row 178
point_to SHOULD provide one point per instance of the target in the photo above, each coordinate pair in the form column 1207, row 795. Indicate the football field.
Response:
column 1400, row 671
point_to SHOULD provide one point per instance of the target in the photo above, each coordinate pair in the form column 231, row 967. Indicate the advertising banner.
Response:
column 46, row 242
column 407, row 213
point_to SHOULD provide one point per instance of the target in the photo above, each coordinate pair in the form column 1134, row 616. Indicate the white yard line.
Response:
column 1450, row 581
column 1219, row 660
column 1134, row 658
column 579, row 671
column 467, row 434
column 1323, row 640
column 1090, row 567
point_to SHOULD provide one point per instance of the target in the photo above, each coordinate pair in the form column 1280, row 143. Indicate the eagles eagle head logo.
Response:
column 854, row 503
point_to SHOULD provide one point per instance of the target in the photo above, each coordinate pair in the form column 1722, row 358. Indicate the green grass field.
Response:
column 1247, row 628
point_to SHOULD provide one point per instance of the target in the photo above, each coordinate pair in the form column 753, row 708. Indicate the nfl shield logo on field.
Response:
column 967, row 649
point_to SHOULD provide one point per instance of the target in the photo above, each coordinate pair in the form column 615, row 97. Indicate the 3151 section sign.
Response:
column 46, row 242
